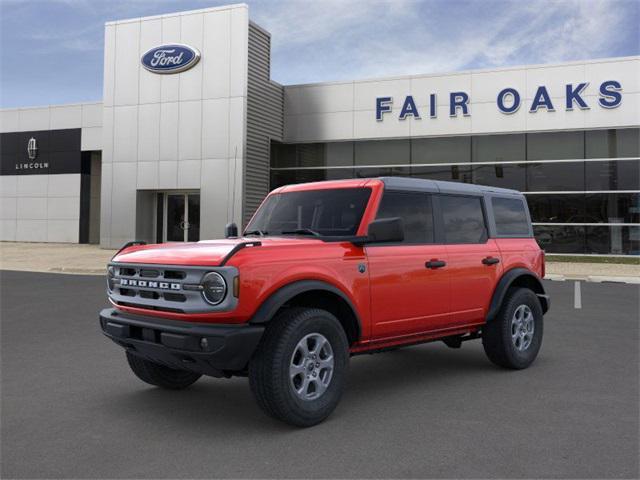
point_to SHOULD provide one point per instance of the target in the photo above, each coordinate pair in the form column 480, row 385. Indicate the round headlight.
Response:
column 214, row 288
column 111, row 272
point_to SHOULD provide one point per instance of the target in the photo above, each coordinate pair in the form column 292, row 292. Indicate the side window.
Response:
column 511, row 218
column 415, row 211
column 463, row 219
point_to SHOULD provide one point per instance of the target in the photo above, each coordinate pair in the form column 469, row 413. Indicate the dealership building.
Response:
column 192, row 133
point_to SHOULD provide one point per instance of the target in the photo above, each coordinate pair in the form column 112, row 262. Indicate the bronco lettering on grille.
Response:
column 128, row 282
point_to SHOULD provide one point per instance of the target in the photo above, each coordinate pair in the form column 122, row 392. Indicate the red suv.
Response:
column 329, row 270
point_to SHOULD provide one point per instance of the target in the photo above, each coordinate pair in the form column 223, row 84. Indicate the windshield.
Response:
column 334, row 212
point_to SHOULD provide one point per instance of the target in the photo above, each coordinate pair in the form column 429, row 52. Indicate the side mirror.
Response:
column 385, row 230
column 230, row 230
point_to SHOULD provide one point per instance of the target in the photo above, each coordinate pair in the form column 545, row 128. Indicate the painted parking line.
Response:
column 577, row 295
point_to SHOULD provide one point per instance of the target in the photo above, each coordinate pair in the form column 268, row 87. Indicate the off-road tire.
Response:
column 159, row 375
column 496, row 335
column 269, row 375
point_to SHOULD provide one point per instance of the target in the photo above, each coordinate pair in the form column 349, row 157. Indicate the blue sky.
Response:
column 51, row 51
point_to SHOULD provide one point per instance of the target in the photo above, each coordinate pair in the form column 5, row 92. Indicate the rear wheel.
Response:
column 298, row 373
column 159, row 375
column 514, row 337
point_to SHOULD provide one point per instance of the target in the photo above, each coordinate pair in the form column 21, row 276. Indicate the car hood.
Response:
column 204, row 253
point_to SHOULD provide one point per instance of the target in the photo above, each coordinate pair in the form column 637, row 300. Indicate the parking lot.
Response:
column 72, row 408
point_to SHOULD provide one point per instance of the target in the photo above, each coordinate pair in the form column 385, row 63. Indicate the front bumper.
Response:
column 215, row 350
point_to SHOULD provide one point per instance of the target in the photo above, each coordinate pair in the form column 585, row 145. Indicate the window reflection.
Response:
column 441, row 150
column 503, row 176
column 557, row 208
column 613, row 240
column 616, row 175
column 613, row 207
column 555, row 176
column 560, row 239
column 382, row 152
column 449, row 173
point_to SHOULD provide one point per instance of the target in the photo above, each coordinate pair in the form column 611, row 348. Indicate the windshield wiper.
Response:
column 302, row 231
column 255, row 232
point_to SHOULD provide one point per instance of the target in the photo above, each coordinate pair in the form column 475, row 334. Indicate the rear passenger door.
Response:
column 408, row 297
column 474, row 259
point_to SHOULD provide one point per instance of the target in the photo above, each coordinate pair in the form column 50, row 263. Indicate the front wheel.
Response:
column 298, row 373
column 514, row 337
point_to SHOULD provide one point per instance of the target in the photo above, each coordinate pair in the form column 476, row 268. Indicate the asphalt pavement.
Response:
column 71, row 408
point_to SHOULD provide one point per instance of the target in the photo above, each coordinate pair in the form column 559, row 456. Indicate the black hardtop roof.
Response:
column 440, row 186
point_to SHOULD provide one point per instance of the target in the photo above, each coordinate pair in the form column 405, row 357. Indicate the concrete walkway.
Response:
column 91, row 259
column 54, row 257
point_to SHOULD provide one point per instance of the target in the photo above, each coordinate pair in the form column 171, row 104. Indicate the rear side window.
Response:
column 415, row 211
column 463, row 219
column 511, row 217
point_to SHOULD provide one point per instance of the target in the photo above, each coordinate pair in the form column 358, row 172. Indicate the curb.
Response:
column 593, row 278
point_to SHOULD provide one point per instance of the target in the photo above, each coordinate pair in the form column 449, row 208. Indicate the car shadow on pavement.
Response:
column 225, row 405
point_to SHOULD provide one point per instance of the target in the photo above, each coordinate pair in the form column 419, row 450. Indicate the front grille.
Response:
column 153, row 276
column 149, row 273
column 166, row 288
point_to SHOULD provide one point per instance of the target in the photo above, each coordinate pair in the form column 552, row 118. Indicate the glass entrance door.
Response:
column 182, row 217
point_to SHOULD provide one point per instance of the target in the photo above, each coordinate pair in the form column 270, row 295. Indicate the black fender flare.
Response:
column 277, row 299
column 508, row 278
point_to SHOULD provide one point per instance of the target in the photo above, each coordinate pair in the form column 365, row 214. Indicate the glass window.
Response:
column 613, row 240
column 510, row 216
column 463, row 219
column 329, row 212
column 311, row 154
column 283, row 155
column 613, row 175
column 560, row 238
column 557, row 208
column 415, row 211
column 555, row 145
column 441, row 150
column 613, row 208
column 543, row 177
column 381, row 172
column 450, row 173
column 499, row 148
column 504, row 176
column 624, row 142
column 289, row 177
column 339, row 154
column 382, row 152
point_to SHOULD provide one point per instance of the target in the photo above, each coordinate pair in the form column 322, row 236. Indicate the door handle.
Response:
column 490, row 260
column 435, row 264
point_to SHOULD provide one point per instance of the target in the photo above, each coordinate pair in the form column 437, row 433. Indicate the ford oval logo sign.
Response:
column 171, row 58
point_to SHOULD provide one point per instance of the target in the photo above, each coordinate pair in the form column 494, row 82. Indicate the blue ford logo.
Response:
column 172, row 58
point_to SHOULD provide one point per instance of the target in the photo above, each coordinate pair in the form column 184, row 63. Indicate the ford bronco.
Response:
column 325, row 271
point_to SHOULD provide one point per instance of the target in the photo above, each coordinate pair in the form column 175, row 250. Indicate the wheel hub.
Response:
column 311, row 366
column 522, row 327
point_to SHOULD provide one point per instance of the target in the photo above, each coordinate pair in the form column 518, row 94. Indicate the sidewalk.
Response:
column 54, row 257
column 91, row 259
column 593, row 272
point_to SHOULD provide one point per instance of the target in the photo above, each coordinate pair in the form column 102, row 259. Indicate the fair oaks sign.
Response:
column 508, row 100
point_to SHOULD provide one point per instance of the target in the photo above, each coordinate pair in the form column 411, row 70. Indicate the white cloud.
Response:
column 326, row 40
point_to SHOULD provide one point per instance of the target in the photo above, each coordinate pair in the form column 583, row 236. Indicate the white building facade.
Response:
column 174, row 156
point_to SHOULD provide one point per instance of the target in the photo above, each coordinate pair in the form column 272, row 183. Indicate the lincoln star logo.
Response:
column 172, row 58
column 32, row 148
column 127, row 282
